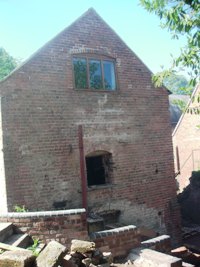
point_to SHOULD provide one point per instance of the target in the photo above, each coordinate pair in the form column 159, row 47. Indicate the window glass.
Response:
column 91, row 73
column 80, row 73
column 109, row 75
column 95, row 74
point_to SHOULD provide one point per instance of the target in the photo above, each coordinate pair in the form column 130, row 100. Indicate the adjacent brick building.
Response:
column 88, row 76
column 186, row 142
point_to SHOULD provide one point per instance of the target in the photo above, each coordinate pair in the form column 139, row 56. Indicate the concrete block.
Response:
column 18, row 258
column 151, row 258
column 82, row 246
column 6, row 230
column 185, row 264
column 52, row 255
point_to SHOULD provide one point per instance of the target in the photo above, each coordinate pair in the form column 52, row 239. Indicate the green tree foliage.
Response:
column 7, row 63
column 177, row 84
column 180, row 17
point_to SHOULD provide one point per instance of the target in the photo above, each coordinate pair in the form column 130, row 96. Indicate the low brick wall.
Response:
column 119, row 240
column 161, row 243
column 63, row 225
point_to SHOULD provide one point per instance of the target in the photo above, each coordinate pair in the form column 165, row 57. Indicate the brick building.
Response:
column 186, row 142
column 88, row 76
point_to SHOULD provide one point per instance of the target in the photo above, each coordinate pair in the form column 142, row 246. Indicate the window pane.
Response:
column 109, row 75
column 80, row 73
column 95, row 74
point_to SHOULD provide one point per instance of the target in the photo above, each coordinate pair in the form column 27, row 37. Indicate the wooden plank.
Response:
column 4, row 246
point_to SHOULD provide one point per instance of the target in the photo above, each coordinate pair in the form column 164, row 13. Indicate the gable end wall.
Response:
column 41, row 112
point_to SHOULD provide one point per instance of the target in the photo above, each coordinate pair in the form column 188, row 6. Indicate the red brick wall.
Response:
column 65, row 225
column 119, row 241
column 62, row 226
column 161, row 243
column 41, row 112
column 186, row 137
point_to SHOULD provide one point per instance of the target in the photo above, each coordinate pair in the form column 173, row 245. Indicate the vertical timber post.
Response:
column 82, row 167
column 177, row 160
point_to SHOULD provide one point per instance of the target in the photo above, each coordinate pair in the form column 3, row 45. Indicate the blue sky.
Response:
column 26, row 25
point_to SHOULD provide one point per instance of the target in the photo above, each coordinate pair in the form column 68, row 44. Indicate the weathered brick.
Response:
column 186, row 139
column 41, row 112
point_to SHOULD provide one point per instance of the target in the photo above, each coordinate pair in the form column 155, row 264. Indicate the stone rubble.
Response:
column 84, row 254
column 81, row 254
column 17, row 258
column 52, row 255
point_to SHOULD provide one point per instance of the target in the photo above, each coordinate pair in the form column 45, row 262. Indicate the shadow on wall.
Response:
column 189, row 201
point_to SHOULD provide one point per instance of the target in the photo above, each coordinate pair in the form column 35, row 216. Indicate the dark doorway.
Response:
column 98, row 168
